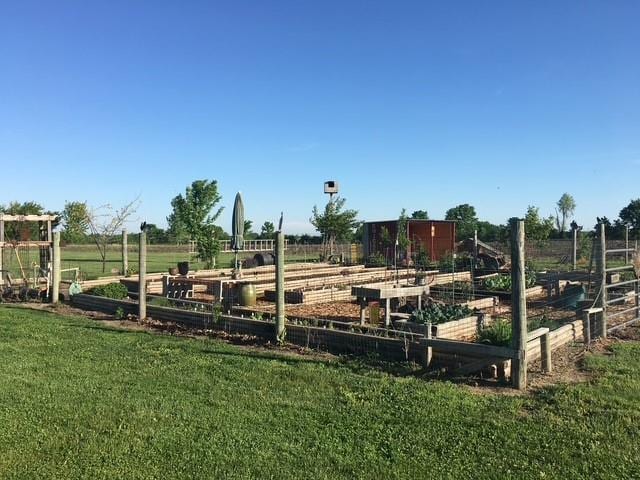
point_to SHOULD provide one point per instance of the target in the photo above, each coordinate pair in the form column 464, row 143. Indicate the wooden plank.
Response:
column 468, row 348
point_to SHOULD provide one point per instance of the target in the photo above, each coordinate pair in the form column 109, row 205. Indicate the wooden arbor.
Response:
column 16, row 232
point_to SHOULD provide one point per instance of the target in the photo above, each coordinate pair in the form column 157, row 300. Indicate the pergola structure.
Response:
column 21, row 239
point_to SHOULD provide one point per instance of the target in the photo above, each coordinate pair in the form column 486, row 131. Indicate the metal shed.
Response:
column 436, row 237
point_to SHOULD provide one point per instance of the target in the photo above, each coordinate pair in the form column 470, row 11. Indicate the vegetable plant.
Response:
column 436, row 313
column 112, row 290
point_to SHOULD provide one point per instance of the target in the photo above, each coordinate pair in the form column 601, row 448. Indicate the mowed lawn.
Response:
column 81, row 400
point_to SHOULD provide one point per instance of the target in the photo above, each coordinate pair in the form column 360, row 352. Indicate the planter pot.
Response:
column 183, row 268
column 173, row 271
column 248, row 295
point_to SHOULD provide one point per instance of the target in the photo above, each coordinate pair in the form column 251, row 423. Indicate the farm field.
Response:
column 79, row 399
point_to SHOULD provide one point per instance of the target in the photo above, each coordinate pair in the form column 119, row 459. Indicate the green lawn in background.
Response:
column 81, row 400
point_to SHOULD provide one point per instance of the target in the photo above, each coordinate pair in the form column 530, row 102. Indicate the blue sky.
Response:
column 423, row 105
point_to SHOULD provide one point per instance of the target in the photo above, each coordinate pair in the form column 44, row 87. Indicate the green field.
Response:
column 81, row 400
column 88, row 260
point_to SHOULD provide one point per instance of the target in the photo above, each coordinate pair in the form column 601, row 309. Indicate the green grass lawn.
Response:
column 80, row 400
column 88, row 260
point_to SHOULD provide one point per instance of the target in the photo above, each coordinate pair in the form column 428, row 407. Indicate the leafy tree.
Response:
column 465, row 216
column 630, row 215
column 267, row 230
column 249, row 234
column 536, row 228
column 105, row 222
column 15, row 231
column 403, row 236
column 566, row 207
column 420, row 215
column 489, row 232
column 192, row 216
column 334, row 223
column 75, row 220
column 156, row 235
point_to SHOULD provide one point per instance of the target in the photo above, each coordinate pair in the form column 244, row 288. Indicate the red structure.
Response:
column 436, row 237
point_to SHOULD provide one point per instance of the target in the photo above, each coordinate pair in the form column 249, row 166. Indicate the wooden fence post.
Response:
column 601, row 266
column 280, row 328
column 125, row 254
column 142, row 277
column 545, row 352
column 574, row 247
column 518, row 306
column 626, row 244
column 55, row 269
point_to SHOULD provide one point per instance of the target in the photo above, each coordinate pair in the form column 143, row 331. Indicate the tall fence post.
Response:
column 125, row 254
column 601, row 266
column 280, row 330
column 55, row 269
column 518, row 306
column 142, row 277
column 626, row 244
column 574, row 247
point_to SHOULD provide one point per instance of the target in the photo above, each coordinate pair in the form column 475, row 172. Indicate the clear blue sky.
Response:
column 423, row 105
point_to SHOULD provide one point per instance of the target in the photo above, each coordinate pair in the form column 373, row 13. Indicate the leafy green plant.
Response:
column 503, row 282
column 161, row 302
column 119, row 315
column 498, row 333
column 436, row 313
column 112, row 290
column 449, row 263
column 376, row 260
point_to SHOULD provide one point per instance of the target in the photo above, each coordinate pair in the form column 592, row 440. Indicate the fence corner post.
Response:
column 601, row 264
column 280, row 328
column 125, row 253
column 55, row 269
column 545, row 352
column 518, row 306
column 142, row 277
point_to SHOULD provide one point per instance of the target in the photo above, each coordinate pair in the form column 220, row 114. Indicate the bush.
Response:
column 499, row 334
column 448, row 263
column 436, row 314
column 112, row 290
column 376, row 260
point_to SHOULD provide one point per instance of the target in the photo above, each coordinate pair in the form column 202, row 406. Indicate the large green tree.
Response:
column 630, row 215
column 334, row 223
column 75, row 221
column 537, row 228
column 267, row 230
column 466, row 220
column 566, row 206
column 420, row 215
column 16, row 231
column 193, row 215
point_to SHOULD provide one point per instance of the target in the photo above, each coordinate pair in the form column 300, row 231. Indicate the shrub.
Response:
column 112, row 290
column 436, row 313
column 498, row 333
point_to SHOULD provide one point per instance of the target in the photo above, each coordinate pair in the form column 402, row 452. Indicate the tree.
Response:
column 248, row 233
column 420, row 215
column 192, row 216
column 334, row 224
column 15, row 231
column 467, row 221
column 566, row 207
column 267, row 230
column 75, row 220
column 156, row 235
column 402, row 235
column 105, row 222
column 536, row 228
column 489, row 232
column 630, row 215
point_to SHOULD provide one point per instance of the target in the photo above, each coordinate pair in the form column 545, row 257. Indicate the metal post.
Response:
column 280, row 329
column 429, row 350
column 574, row 249
column 142, row 277
column 55, row 269
column 601, row 265
column 475, row 248
column 518, row 307
column 125, row 254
